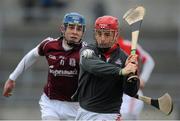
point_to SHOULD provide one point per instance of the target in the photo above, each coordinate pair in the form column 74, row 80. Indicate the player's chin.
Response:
column 74, row 39
column 104, row 45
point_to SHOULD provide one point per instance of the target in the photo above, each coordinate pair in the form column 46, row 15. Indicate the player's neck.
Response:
column 66, row 46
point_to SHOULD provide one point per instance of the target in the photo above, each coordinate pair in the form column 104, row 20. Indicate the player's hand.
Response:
column 132, row 59
column 130, row 68
column 8, row 87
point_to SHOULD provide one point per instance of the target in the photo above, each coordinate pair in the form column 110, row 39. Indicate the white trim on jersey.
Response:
column 66, row 46
column 49, row 39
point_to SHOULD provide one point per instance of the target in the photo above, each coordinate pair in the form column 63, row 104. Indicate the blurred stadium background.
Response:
column 25, row 23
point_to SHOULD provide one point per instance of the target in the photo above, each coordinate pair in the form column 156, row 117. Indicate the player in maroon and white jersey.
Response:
column 62, row 55
column 131, row 107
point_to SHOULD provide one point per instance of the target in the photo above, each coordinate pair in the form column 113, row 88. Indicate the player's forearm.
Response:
column 25, row 63
column 99, row 67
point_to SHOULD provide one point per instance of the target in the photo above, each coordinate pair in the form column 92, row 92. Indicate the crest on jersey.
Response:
column 61, row 60
column 118, row 62
column 52, row 57
column 72, row 62
column 84, row 44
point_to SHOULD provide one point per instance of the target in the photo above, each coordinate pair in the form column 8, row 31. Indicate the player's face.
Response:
column 105, row 38
column 73, row 33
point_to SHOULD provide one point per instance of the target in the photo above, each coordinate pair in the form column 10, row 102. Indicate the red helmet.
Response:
column 107, row 22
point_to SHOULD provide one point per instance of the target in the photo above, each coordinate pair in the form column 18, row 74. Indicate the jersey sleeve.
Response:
column 25, row 63
column 97, row 66
column 29, row 59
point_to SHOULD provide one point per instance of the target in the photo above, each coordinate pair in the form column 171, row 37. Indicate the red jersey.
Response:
column 126, row 46
column 146, row 62
column 63, row 69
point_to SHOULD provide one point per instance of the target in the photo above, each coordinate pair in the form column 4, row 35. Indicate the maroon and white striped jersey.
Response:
column 63, row 70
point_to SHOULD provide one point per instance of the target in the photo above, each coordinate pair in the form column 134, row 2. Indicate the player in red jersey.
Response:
column 62, row 55
column 131, row 107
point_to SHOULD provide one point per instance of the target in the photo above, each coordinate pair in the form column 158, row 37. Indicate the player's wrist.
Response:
column 121, row 72
column 12, row 80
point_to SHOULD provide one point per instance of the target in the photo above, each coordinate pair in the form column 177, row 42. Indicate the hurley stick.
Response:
column 163, row 103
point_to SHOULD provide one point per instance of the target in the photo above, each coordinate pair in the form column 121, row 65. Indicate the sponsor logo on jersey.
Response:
column 51, row 66
column 67, row 73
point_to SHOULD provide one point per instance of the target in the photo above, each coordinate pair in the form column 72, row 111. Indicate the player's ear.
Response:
column 116, row 35
column 62, row 28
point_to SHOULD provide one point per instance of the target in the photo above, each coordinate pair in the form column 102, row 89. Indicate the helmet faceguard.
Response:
column 106, row 31
column 76, row 20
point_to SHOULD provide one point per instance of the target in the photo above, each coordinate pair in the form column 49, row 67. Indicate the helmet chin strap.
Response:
column 65, row 45
column 103, row 50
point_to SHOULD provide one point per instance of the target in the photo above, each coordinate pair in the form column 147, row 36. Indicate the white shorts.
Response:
column 131, row 107
column 84, row 115
column 57, row 110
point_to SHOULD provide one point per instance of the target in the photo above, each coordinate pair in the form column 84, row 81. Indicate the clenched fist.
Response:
column 8, row 87
column 129, row 68
column 132, row 59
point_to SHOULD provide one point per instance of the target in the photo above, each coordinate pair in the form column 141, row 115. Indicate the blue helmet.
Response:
column 77, row 19
column 74, row 18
